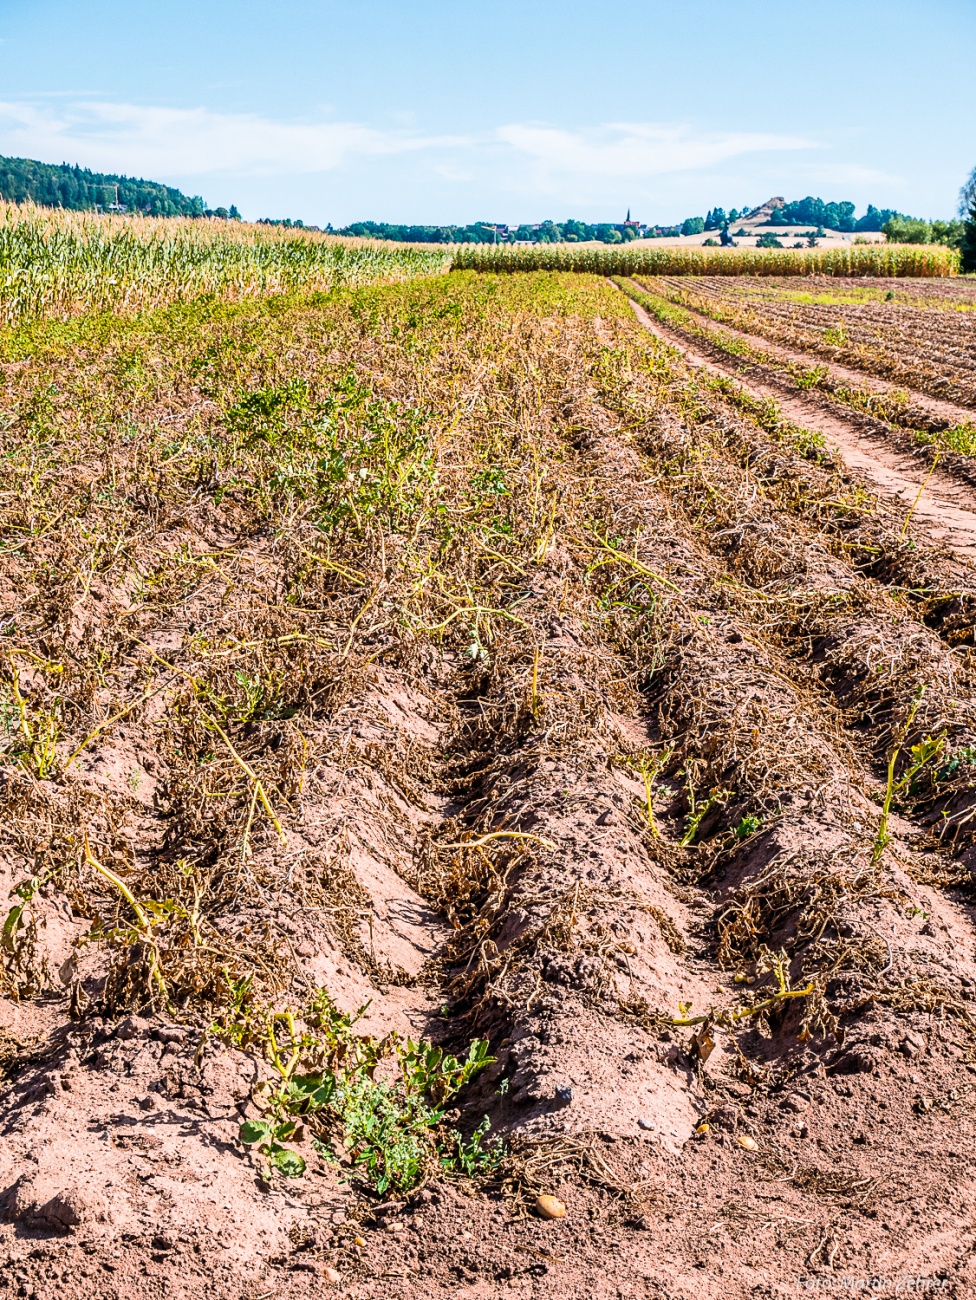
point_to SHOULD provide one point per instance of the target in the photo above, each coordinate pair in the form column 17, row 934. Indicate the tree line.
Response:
column 487, row 232
column 61, row 185
column 802, row 212
column 543, row 232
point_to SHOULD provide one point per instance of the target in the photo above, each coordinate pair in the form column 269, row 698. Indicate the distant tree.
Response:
column 907, row 230
column 839, row 216
column 948, row 232
column 809, row 212
column 912, row 230
column 485, row 232
column 480, row 232
column 968, row 245
column 234, row 214
column 768, row 240
column 814, row 212
column 967, row 196
column 875, row 218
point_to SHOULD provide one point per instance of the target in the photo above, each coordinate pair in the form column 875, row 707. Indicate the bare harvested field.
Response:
column 488, row 794
column 904, row 341
column 957, row 291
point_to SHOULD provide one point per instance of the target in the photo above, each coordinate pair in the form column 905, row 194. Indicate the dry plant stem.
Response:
column 741, row 1013
column 921, row 490
column 501, row 835
column 41, row 738
column 634, row 563
column 727, row 1018
column 145, row 925
column 649, row 796
column 477, row 611
column 285, row 1068
column 258, row 791
column 109, row 722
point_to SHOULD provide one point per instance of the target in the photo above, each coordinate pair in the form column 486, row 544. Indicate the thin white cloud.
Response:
column 156, row 141
column 632, row 150
column 149, row 140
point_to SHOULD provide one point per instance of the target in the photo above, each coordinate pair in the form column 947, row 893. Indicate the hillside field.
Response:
column 488, row 771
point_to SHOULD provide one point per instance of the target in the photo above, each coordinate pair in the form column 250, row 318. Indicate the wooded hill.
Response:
column 59, row 185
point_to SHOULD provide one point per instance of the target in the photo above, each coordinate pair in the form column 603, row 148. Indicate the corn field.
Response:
column 914, row 260
column 58, row 263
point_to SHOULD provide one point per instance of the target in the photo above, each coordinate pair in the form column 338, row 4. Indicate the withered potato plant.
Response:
column 225, row 525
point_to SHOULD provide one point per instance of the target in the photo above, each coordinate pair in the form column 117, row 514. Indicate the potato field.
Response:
column 488, row 776
column 922, row 340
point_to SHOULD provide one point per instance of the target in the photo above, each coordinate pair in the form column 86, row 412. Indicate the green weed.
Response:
column 925, row 752
column 748, row 826
column 387, row 1128
column 961, row 438
column 697, row 814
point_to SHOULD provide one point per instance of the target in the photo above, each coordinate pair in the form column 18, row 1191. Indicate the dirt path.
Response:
column 945, row 508
column 940, row 410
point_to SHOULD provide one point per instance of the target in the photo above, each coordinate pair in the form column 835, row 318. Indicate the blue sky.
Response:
column 453, row 112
